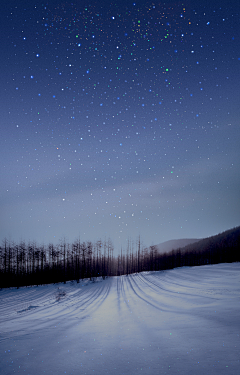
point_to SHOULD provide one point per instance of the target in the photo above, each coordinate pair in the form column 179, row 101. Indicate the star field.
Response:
column 119, row 119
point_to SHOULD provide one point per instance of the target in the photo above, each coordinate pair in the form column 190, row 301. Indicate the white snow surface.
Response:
column 181, row 321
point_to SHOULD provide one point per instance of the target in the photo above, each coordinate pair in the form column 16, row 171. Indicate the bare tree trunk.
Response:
column 139, row 254
column 17, row 260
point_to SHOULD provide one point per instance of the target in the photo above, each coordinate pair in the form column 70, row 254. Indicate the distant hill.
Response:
column 221, row 248
column 230, row 239
column 170, row 245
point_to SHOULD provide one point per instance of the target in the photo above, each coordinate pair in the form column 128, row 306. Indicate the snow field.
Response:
column 181, row 321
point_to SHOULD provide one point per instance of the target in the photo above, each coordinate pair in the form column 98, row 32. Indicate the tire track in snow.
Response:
column 94, row 301
column 41, row 305
column 121, row 293
column 12, row 299
column 134, row 287
column 148, row 279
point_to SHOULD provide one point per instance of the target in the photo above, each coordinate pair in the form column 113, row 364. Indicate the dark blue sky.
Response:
column 119, row 119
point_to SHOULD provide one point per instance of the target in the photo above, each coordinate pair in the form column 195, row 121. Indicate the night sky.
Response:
column 119, row 119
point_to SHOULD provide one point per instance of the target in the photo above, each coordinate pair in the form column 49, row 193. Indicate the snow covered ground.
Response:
column 181, row 321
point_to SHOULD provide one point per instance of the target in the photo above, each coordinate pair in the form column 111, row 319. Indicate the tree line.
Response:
column 30, row 264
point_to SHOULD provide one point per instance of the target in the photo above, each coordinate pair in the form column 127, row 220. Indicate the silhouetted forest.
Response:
column 30, row 264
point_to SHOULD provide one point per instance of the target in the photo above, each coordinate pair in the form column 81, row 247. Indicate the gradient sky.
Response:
column 119, row 119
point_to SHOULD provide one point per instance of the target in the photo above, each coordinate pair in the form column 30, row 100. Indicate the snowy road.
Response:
column 182, row 321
